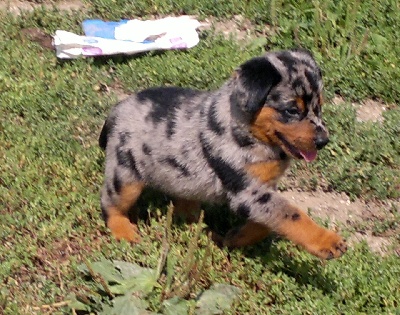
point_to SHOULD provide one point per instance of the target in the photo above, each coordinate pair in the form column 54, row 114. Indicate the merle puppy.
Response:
column 226, row 146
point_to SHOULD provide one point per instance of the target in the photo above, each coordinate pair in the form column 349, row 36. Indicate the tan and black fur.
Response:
column 226, row 146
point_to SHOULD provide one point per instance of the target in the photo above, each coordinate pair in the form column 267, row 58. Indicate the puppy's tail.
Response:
column 103, row 136
column 105, row 132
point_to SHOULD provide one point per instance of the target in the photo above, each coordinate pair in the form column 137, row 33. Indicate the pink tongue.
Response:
column 309, row 156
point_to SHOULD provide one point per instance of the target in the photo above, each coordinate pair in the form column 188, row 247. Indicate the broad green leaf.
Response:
column 77, row 305
column 143, row 283
column 129, row 270
column 127, row 305
column 217, row 299
column 176, row 306
column 106, row 269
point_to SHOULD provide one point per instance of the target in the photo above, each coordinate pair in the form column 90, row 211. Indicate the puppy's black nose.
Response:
column 320, row 142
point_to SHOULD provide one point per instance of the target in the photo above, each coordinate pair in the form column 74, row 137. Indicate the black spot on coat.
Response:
column 298, row 84
column 104, row 213
column 233, row 180
column 146, row 149
column 295, row 216
column 290, row 62
column 126, row 159
column 171, row 124
column 212, row 120
column 275, row 97
column 312, row 79
column 242, row 138
column 109, row 190
column 243, row 210
column 178, row 165
column 117, row 183
column 165, row 100
column 265, row 198
column 124, row 137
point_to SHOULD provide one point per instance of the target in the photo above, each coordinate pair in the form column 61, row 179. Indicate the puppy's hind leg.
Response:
column 116, row 207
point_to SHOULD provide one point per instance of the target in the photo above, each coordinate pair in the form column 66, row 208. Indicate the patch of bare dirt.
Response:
column 37, row 35
column 238, row 27
column 18, row 6
column 368, row 110
column 229, row 27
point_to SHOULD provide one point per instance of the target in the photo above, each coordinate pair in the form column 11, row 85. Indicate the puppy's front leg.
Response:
column 267, row 211
column 298, row 227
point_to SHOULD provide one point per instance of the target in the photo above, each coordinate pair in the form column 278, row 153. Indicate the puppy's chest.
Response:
column 267, row 165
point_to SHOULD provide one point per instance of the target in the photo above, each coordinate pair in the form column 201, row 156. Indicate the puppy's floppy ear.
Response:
column 253, row 81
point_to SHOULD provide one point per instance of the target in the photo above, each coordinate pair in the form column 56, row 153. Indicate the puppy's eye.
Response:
column 291, row 112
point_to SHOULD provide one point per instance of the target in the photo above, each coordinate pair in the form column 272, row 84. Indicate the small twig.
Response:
column 60, row 279
column 207, row 254
column 166, row 241
column 165, row 249
column 183, row 289
column 196, row 277
column 192, row 247
column 99, row 278
column 83, row 298
column 50, row 306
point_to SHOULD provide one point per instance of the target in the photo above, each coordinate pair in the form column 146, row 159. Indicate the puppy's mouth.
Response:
column 308, row 156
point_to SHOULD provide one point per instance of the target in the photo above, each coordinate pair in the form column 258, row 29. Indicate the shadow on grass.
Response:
column 305, row 272
column 122, row 59
column 220, row 219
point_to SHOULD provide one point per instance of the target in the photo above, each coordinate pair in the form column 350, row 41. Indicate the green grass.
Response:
column 51, row 113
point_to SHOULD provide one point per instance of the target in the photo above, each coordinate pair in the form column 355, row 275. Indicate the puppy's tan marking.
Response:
column 267, row 172
column 320, row 99
column 300, row 104
column 299, row 134
column 188, row 209
column 263, row 125
column 248, row 234
column 118, row 215
column 300, row 229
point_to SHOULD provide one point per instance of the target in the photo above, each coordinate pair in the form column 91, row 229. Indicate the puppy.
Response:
column 230, row 145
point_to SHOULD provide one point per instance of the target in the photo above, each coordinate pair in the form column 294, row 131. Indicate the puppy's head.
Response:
column 281, row 92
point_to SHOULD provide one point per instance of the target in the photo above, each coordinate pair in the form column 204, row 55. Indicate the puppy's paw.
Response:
column 298, row 227
column 329, row 246
column 122, row 229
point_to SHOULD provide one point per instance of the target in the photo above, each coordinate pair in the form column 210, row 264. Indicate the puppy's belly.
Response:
column 199, row 186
